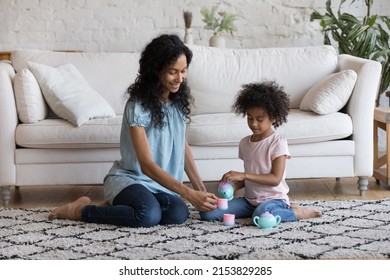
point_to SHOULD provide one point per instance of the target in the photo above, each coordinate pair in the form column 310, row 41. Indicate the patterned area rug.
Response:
column 355, row 229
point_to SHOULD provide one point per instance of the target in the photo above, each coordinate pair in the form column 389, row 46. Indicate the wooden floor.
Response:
column 307, row 189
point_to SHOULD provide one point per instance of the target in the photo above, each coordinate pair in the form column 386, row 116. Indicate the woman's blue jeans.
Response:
column 136, row 206
column 241, row 208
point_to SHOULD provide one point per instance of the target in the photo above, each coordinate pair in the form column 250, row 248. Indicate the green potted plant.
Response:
column 367, row 37
column 219, row 22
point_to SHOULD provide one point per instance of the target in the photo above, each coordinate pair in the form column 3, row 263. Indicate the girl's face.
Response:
column 173, row 76
column 259, row 122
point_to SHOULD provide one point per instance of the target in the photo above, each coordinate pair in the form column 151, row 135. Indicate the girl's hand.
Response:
column 233, row 176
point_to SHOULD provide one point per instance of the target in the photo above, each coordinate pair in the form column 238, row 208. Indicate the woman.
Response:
column 143, row 189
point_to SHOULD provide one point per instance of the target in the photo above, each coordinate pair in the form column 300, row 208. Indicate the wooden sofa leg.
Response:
column 363, row 185
column 5, row 195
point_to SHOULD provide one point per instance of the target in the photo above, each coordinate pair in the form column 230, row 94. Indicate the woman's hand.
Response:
column 202, row 201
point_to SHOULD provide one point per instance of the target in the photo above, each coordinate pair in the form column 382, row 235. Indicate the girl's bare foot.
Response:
column 70, row 211
column 303, row 212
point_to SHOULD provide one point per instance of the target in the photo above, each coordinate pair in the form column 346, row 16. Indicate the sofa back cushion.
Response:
column 61, row 134
column 216, row 75
column 110, row 74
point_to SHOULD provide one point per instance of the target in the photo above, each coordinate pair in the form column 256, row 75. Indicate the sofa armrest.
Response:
column 8, row 123
column 361, row 108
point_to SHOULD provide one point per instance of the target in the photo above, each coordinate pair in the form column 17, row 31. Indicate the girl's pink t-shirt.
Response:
column 258, row 157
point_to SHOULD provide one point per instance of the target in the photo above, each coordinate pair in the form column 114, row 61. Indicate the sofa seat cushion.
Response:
column 308, row 127
column 222, row 129
column 227, row 129
column 58, row 133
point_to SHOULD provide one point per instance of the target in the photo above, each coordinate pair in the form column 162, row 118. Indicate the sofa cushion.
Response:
column 330, row 94
column 308, row 127
column 30, row 103
column 227, row 129
column 69, row 95
column 222, row 129
column 216, row 75
column 58, row 133
column 109, row 73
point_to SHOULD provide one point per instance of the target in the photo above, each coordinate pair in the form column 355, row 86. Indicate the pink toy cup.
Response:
column 222, row 203
column 228, row 219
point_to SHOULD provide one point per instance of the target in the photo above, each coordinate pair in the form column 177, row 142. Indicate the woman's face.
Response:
column 173, row 76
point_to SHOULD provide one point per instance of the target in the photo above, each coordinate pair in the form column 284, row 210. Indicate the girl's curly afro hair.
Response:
column 268, row 96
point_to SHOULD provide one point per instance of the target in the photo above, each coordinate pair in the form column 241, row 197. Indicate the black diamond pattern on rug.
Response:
column 354, row 229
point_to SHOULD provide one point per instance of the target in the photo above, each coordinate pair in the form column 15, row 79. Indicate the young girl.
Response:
column 143, row 189
column 264, row 154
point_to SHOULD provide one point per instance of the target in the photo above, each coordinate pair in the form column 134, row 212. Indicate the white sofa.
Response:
column 52, row 151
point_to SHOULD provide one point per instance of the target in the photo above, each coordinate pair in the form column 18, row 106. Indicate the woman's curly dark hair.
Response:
column 157, row 56
column 267, row 95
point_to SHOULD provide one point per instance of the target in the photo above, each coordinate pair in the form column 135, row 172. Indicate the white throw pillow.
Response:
column 69, row 95
column 30, row 104
column 330, row 94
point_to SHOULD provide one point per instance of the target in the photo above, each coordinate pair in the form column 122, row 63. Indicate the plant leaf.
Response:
column 368, row 37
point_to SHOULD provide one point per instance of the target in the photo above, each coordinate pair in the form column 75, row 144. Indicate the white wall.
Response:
column 127, row 25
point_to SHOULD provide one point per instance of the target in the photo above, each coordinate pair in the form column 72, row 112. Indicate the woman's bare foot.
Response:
column 70, row 211
column 303, row 212
column 103, row 203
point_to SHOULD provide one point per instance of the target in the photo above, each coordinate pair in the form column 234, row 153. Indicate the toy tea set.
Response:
column 226, row 193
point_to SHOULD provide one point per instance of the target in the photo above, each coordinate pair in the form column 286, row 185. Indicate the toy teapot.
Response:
column 266, row 220
column 225, row 190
